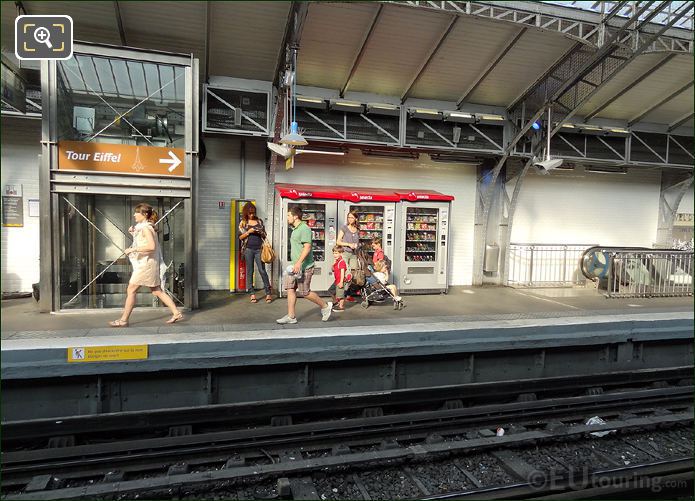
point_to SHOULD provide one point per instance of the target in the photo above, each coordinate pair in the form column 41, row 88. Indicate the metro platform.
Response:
column 230, row 331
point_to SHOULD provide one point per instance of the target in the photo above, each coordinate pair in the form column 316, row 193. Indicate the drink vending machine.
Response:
column 422, row 255
column 413, row 227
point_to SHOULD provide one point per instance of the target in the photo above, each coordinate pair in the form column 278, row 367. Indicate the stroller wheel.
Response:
column 365, row 304
column 395, row 305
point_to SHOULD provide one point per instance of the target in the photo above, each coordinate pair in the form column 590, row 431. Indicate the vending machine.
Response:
column 320, row 216
column 423, row 238
column 413, row 227
column 375, row 219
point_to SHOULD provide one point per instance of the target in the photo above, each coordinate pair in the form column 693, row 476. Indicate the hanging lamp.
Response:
column 293, row 137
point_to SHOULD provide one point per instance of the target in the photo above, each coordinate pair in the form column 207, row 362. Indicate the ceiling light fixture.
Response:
column 459, row 117
column 311, row 102
column 489, row 119
column 349, row 106
column 425, row 113
column 383, row 109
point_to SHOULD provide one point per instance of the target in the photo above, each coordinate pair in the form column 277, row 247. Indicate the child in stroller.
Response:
column 376, row 288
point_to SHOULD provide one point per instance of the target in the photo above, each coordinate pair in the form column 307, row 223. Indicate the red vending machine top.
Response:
column 301, row 191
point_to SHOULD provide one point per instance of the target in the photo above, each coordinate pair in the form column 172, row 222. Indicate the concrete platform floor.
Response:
column 221, row 311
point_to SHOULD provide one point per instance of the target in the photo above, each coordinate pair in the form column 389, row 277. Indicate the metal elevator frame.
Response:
column 148, row 185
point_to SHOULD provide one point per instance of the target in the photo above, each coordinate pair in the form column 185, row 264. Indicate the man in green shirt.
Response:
column 299, row 282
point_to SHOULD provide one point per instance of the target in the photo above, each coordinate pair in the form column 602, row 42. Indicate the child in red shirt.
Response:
column 341, row 279
column 378, row 251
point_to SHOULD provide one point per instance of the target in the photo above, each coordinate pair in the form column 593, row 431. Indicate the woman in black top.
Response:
column 251, row 233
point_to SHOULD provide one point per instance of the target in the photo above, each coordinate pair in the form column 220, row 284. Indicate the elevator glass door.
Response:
column 94, row 271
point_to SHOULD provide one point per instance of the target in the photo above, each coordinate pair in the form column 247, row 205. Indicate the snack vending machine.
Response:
column 422, row 255
column 413, row 227
column 375, row 219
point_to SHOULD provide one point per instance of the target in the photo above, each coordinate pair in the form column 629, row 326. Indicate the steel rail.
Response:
column 400, row 453
column 324, row 406
column 33, row 462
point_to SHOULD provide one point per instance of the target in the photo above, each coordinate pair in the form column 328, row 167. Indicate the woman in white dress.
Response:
column 148, row 266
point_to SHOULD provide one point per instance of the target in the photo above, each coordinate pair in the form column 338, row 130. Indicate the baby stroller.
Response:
column 372, row 290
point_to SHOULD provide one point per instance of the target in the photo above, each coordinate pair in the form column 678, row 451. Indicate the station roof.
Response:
column 481, row 53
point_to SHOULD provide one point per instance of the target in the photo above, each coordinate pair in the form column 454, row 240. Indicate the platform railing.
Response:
column 545, row 265
column 653, row 273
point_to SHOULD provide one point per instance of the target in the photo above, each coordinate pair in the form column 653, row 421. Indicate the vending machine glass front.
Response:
column 421, row 234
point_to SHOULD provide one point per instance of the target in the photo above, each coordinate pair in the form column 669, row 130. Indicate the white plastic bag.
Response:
column 597, row 421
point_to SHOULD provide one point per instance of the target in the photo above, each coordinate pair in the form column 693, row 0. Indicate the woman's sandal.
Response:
column 118, row 323
column 253, row 298
column 175, row 318
column 268, row 299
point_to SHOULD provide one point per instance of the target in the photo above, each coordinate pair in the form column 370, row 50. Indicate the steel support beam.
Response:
column 586, row 27
column 660, row 103
column 586, row 69
column 208, row 35
column 429, row 57
column 627, row 89
column 601, row 74
column 490, row 67
column 673, row 189
column 681, row 121
column 360, row 53
column 292, row 36
column 119, row 21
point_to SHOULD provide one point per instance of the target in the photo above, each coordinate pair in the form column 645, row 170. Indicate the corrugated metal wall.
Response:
column 606, row 209
column 20, row 165
column 359, row 170
column 220, row 181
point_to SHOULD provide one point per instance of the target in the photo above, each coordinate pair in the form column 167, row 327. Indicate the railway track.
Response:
column 302, row 460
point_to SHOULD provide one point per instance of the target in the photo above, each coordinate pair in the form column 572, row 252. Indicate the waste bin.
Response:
column 492, row 258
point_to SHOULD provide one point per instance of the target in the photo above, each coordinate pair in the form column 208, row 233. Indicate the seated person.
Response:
column 376, row 257
column 381, row 273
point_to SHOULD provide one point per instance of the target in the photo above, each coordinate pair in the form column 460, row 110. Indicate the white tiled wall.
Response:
column 359, row 170
column 20, row 165
column 220, row 176
column 606, row 209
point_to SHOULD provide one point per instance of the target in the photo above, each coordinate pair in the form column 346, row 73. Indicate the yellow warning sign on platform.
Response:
column 107, row 353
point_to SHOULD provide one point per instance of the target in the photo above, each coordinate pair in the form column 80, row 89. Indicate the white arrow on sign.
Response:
column 174, row 161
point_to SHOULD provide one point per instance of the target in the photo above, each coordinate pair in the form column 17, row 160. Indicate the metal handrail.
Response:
column 650, row 273
column 545, row 265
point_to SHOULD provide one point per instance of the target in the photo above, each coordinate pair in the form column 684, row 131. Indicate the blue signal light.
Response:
column 536, row 125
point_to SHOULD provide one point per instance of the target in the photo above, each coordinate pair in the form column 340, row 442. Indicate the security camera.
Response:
column 545, row 166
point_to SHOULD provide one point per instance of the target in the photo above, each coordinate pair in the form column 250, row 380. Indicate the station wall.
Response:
column 220, row 181
column 356, row 169
column 589, row 208
column 21, row 147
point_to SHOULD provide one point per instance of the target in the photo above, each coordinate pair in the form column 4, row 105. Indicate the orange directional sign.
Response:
column 125, row 158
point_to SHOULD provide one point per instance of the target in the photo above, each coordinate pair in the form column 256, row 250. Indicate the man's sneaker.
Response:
column 326, row 312
column 338, row 309
column 287, row 320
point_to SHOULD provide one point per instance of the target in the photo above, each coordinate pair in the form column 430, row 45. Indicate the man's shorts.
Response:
column 301, row 286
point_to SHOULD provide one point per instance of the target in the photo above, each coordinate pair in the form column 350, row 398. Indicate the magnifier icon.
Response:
column 42, row 35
